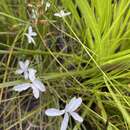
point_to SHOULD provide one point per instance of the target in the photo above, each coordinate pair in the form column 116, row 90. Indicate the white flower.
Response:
column 23, row 69
column 47, row 6
column 62, row 14
column 69, row 110
column 35, row 84
column 30, row 35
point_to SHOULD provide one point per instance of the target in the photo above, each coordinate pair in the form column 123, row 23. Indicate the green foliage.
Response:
column 85, row 54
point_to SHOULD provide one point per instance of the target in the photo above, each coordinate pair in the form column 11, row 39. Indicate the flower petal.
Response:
column 66, row 14
column 33, row 34
column 32, row 73
column 29, row 30
column 65, row 122
column 22, row 65
column 27, row 63
column 19, row 71
column 30, row 39
column 35, row 92
column 76, row 117
column 73, row 104
column 38, row 84
column 26, row 75
column 54, row 112
column 57, row 14
column 62, row 14
column 21, row 87
column 70, row 103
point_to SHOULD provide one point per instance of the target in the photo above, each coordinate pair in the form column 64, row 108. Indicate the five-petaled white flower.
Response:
column 35, row 84
column 69, row 110
column 47, row 6
column 62, row 14
column 30, row 35
column 23, row 69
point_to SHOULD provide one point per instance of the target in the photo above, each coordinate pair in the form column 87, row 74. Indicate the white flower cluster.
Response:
column 30, row 35
column 29, row 74
column 37, row 86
